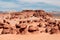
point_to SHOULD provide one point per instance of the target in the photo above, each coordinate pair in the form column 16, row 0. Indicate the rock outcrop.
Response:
column 28, row 21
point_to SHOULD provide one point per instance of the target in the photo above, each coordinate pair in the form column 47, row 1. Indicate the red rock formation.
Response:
column 20, row 22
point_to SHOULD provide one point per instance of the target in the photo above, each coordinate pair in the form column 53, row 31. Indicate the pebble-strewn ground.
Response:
column 26, row 23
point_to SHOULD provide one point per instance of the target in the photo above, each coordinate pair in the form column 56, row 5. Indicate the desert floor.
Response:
column 41, row 36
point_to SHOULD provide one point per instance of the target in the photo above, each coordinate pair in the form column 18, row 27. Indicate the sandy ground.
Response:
column 42, row 36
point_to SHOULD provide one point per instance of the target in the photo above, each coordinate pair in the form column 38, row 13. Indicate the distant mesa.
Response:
column 33, row 11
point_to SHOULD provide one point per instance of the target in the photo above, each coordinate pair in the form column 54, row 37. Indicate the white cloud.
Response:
column 7, row 10
column 53, row 2
column 8, row 5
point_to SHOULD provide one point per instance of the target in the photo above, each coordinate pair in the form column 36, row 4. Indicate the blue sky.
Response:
column 48, row 5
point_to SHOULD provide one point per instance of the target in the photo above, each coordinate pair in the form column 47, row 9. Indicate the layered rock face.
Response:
column 28, row 21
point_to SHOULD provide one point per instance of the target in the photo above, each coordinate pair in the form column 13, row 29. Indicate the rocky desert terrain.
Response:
column 29, row 25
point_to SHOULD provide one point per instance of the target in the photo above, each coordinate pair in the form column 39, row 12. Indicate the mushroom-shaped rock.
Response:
column 1, row 25
column 33, row 29
column 6, row 31
column 22, row 29
column 53, row 30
